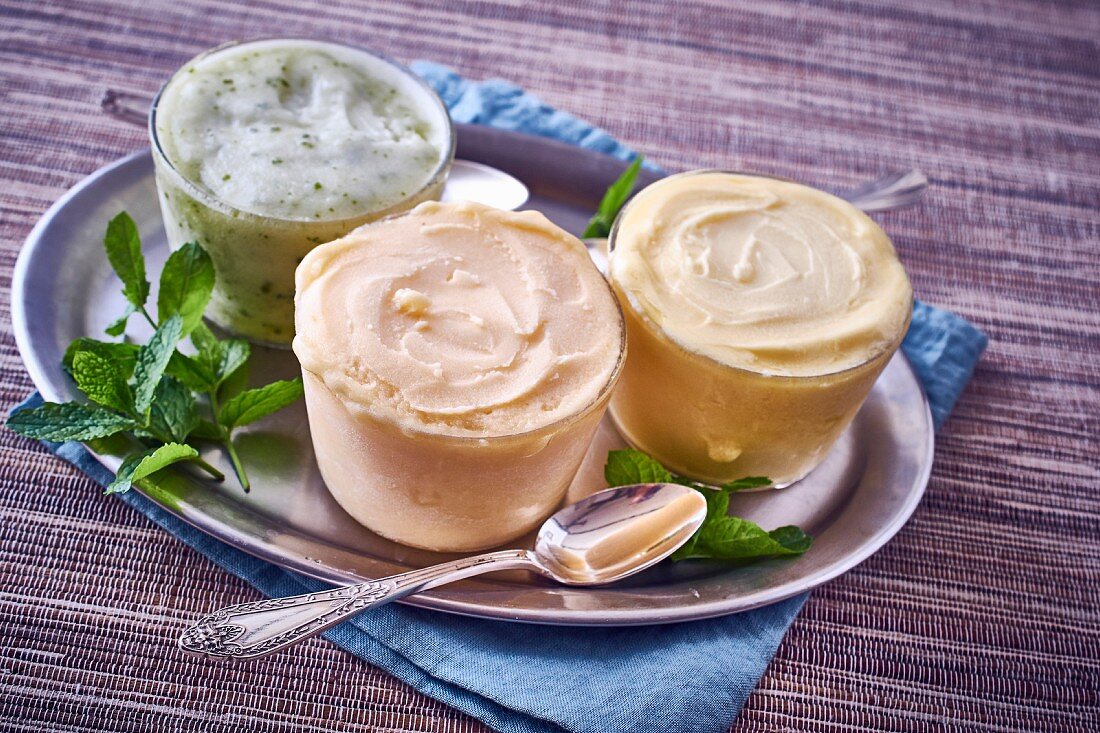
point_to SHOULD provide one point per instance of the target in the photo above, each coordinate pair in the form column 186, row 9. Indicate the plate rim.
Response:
column 287, row 560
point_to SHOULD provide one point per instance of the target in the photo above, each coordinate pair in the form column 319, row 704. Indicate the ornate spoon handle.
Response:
column 251, row 630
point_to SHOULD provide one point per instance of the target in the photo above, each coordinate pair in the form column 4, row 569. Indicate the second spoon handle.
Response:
column 892, row 191
column 252, row 630
column 126, row 106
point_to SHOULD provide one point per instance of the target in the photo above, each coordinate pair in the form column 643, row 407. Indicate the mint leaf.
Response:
column 140, row 465
column 220, row 358
column 233, row 353
column 174, row 413
column 734, row 538
column 215, row 362
column 253, row 404
column 793, row 538
column 718, row 502
column 191, row 372
column 68, row 421
column 186, row 283
column 123, row 246
column 718, row 505
column 204, row 340
column 749, row 482
column 234, row 384
column 102, row 381
column 206, row 430
column 155, row 383
column 625, row 467
column 123, row 356
column 613, row 200
column 209, row 354
column 118, row 326
column 723, row 537
column 152, row 360
column 247, row 407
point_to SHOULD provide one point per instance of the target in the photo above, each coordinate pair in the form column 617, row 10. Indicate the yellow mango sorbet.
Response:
column 759, row 314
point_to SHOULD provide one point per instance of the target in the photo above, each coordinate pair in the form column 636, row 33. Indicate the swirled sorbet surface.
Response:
column 761, row 274
column 458, row 319
column 301, row 130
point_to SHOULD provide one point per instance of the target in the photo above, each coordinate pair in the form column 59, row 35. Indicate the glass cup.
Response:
column 255, row 255
column 448, row 493
column 714, row 422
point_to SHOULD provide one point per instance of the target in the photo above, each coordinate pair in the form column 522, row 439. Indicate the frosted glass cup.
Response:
column 255, row 254
column 715, row 422
column 447, row 493
column 457, row 361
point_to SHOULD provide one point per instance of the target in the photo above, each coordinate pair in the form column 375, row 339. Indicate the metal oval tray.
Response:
column 864, row 492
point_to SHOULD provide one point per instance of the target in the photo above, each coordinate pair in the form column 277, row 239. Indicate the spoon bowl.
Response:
column 618, row 532
column 470, row 181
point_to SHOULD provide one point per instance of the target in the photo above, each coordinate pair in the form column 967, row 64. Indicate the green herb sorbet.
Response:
column 265, row 149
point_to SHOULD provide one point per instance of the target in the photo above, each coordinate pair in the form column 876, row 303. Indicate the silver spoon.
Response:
column 600, row 539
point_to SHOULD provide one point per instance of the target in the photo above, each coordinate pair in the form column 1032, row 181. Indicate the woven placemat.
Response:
column 981, row 615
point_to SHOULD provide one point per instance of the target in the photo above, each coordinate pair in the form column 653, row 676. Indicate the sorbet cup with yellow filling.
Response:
column 457, row 361
column 759, row 314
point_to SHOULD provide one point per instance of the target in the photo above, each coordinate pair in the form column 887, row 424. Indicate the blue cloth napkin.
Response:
column 519, row 678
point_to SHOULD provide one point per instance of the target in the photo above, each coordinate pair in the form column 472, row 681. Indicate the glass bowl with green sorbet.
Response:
column 265, row 149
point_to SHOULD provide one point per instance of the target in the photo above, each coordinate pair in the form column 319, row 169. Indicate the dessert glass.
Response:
column 457, row 361
column 715, row 422
column 441, row 492
column 255, row 255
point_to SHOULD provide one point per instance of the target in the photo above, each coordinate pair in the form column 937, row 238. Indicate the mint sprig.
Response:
column 153, row 391
column 613, row 200
column 720, row 537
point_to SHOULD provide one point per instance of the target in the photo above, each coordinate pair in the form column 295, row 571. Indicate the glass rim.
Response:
column 211, row 200
column 554, row 427
column 890, row 348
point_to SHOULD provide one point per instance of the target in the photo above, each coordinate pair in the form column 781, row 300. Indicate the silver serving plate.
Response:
column 853, row 503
